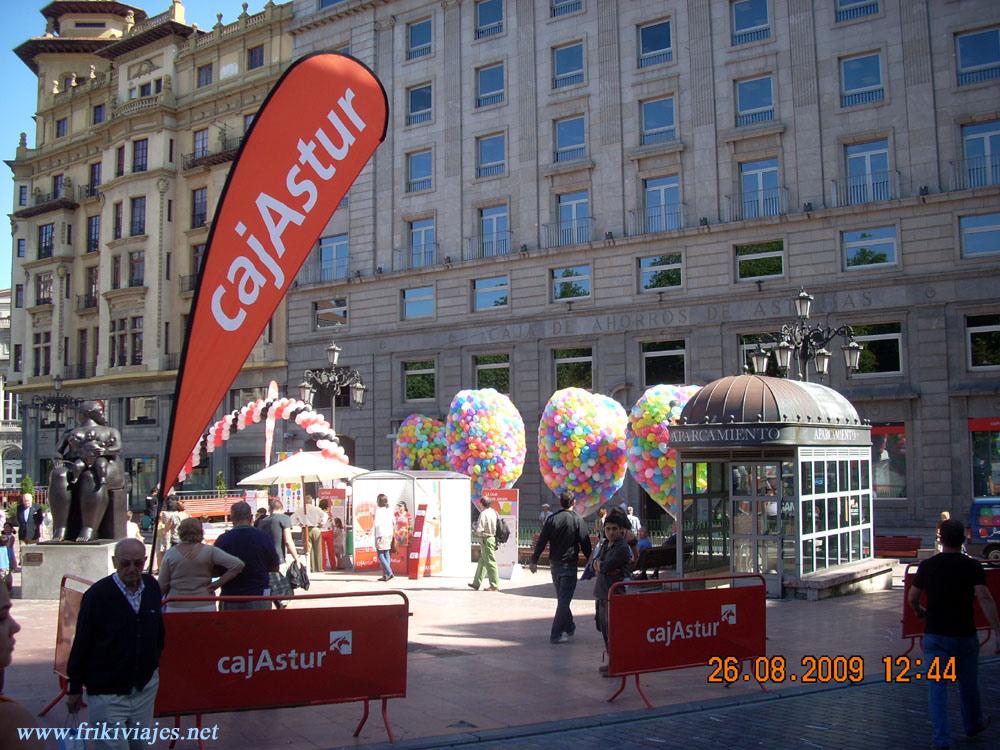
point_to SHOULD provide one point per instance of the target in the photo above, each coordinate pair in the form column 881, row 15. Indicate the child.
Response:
column 610, row 567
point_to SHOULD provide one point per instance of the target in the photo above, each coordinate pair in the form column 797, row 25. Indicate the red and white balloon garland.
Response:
column 282, row 408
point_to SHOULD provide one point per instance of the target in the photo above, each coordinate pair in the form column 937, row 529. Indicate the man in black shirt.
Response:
column 257, row 550
column 566, row 536
column 951, row 581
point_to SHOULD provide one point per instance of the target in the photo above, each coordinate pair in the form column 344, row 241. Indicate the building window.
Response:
column 662, row 210
column 978, row 56
column 868, row 176
column 869, row 247
column 848, row 10
column 19, row 296
column 489, row 18
column 490, row 155
column 570, row 283
column 334, row 253
column 658, row 123
column 493, row 371
column 418, row 39
column 882, row 345
column 255, row 57
column 97, row 114
column 248, row 121
column 563, row 7
column 889, row 459
column 985, row 462
column 663, row 363
column 423, row 245
column 140, row 410
column 116, row 222
column 981, row 143
column 418, row 380
column 140, row 155
column 137, row 216
column 490, row 292
column 494, row 233
column 116, row 272
column 861, row 80
column 204, row 75
column 43, row 288
column 118, row 343
column 46, row 240
column 18, row 358
column 419, row 171
column 567, row 65
column 20, row 247
column 119, row 161
column 570, row 136
column 135, row 332
column 760, row 193
column 199, row 207
column 654, row 44
column 91, row 286
column 57, row 185
column 489, row 85
column 760, row 260
column 750, row 22
column 137, row 268
column 93, row 233
column 980, row 235
column 418, row 302
column 42, row 353
column 62, row 127
column 330, row 313
column 574, row 368
column 22, row 195
column 658, row 272
column 982, row 335
column 574, row 225
column 418, row 104
column 754, row 101
column 95, row 178
column 200, row 143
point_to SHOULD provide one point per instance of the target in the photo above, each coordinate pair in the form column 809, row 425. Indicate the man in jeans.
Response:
column 566, row 536
column 951, row 581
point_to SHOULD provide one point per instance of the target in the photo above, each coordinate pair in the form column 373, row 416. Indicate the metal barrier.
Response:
column 69, row 608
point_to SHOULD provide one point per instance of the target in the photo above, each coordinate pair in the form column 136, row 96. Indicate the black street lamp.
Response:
column 806, row 342
column 57, row 402
column 333, row 381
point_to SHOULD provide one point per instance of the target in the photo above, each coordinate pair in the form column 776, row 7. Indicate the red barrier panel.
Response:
column 253, row 659
column 913, row 626
column 70, row 598
column 657, row 630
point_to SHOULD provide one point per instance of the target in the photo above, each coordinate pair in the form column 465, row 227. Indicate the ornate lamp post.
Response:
column 806, row 342
column 333, row 381
column 55, row 402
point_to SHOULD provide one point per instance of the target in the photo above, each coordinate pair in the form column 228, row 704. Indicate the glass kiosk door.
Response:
column 756, row 513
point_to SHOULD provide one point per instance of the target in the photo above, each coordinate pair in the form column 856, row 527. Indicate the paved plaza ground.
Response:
column 482, row 671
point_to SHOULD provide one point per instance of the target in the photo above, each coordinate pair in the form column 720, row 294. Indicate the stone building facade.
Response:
column 614, row 194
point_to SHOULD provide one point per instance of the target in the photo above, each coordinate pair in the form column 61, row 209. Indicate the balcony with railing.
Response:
column 564, row 7
column 751, row 35
column 85, row 302
column 570, row 154
column 664, row 135
column 490, row 170
column 486, row 100
column 649, row 59
column 43, row 299
column 857, row 10
column 64, row 197
column 985, row 73
column 979, row 171
column 563, row 80
column 87, row 191
column 424, row 255
column 862, row 97
column 872, row 187
column 566, row 233
column 223, row 152
column 757, row 204
column 753, row 118
column 141, row 104
column 421, row 50
column 315, row 273
column 657, row 219
column 415, row 118
column 420, row 183
column 188, row 283
column 45, row 250
column 490, row 29
column 487, row 246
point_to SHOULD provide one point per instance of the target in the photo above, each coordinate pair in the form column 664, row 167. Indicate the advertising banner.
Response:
column 310, row 139
column 658, row 630
column 505, row 503
column 244, row 660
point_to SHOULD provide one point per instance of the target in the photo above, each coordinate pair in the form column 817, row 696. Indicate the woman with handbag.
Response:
column 385, row 525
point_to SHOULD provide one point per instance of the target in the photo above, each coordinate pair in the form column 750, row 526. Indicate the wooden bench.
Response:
column 209, row 507
column 897, row 546
column 664, row 556
column 543, row 559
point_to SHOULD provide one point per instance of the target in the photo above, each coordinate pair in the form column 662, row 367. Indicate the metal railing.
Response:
column 753, row 35
column 563, row 7
column 46, row 250
column 655, row 58
column 488, row 246
column 188, row 283
column 975, row 76
column 657, row 136
column 421, row 183
column 489, row 170
column 564, row 233
column 570, row 154
column 657, row 219
column 415, row 118
column 757, row 204
column 87, row 191
column 224, row 151
column 567, row 79
column 490, row 29
column 39, row 199
column 86, row 302
column 171, row 361
column 857, row 11
column 417, row 256
column 43, row 300
column 315, row 273
column 867, row 188
column 979, row 171
column 862, row 97
column 412, row 53
column 488, row 99
column 752, row 118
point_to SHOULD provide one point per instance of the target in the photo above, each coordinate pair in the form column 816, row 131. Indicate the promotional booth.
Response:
column 777, row 481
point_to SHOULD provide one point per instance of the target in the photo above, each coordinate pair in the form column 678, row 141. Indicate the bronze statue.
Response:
column 88, row 486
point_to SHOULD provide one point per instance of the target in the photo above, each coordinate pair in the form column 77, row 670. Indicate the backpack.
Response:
column 503, row 531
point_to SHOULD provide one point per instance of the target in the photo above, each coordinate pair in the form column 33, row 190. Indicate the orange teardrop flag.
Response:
column 315, row 132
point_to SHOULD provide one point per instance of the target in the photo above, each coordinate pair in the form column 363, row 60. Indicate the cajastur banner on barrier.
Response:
column 312, row 136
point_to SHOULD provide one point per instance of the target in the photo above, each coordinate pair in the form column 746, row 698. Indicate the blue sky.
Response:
column 25, row 21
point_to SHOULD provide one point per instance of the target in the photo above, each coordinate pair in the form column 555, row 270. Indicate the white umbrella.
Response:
column 306, row 466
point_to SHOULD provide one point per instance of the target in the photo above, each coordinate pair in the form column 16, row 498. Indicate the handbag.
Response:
column 297, row 576
column 392, row 545
column 588, row 569
column 280, row 585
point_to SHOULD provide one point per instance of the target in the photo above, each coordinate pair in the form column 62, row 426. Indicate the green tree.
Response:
column 220, row 483
column 27, row 484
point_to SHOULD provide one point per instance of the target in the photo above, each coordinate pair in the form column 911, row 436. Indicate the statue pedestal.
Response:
column 44, row 565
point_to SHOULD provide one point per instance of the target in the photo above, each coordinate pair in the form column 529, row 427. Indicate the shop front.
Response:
column 777, row 480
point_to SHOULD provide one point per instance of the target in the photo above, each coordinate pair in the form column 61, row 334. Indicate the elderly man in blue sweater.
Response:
column 116, row 651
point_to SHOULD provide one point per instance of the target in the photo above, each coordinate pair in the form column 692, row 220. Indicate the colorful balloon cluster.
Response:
column 420, row 444
column 485, row 435
column 280, row 408
column 581, row 446
column 651, row 460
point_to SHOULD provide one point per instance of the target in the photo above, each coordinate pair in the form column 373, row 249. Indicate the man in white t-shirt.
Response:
column 633, row 520
column 310, row 518
column 486, row 530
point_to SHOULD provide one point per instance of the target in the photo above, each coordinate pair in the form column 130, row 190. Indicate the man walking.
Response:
column 952, row 580
column 486, row 530
column 258, row 554
column 633, row 520
column 29, row 522
column 116, row 649
column 566, row 536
